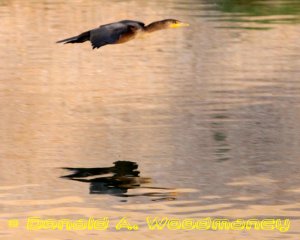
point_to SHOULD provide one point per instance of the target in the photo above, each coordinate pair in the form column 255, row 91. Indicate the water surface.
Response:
column 190, row 123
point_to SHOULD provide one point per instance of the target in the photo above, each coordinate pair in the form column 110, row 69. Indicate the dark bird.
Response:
column 120, row 32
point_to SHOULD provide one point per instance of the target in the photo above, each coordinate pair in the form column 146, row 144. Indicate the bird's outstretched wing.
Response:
column 108, row 34
column 112, row 33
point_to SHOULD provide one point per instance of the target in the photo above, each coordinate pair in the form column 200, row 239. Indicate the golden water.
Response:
column 209, row 115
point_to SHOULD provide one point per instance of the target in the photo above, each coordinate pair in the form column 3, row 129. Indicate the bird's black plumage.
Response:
column 119, row 32
column 114, row 32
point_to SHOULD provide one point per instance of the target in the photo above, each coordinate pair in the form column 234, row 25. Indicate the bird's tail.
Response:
column 85, row 36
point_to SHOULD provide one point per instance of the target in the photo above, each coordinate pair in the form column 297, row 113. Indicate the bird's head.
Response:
column 173, row 23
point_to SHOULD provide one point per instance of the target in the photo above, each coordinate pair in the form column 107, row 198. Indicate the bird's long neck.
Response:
column 155, row 26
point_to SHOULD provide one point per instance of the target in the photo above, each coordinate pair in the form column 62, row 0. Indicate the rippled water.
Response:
column 191, row 123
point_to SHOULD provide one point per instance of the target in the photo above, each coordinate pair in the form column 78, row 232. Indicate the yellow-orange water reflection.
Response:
column 209, row 115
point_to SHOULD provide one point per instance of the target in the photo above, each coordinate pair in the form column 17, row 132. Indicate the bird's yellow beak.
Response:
column 179, row 24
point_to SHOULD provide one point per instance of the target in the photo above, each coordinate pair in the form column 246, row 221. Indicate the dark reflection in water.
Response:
column 125, row 176
column 220, row 137
column 249, row 12
column 259, row 8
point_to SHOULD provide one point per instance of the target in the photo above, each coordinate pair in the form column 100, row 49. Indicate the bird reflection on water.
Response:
column 118, row 180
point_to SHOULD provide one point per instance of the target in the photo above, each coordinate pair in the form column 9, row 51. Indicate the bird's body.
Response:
column 120, row 32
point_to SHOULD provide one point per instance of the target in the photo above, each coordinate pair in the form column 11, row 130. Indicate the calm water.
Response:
column 190, row 123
